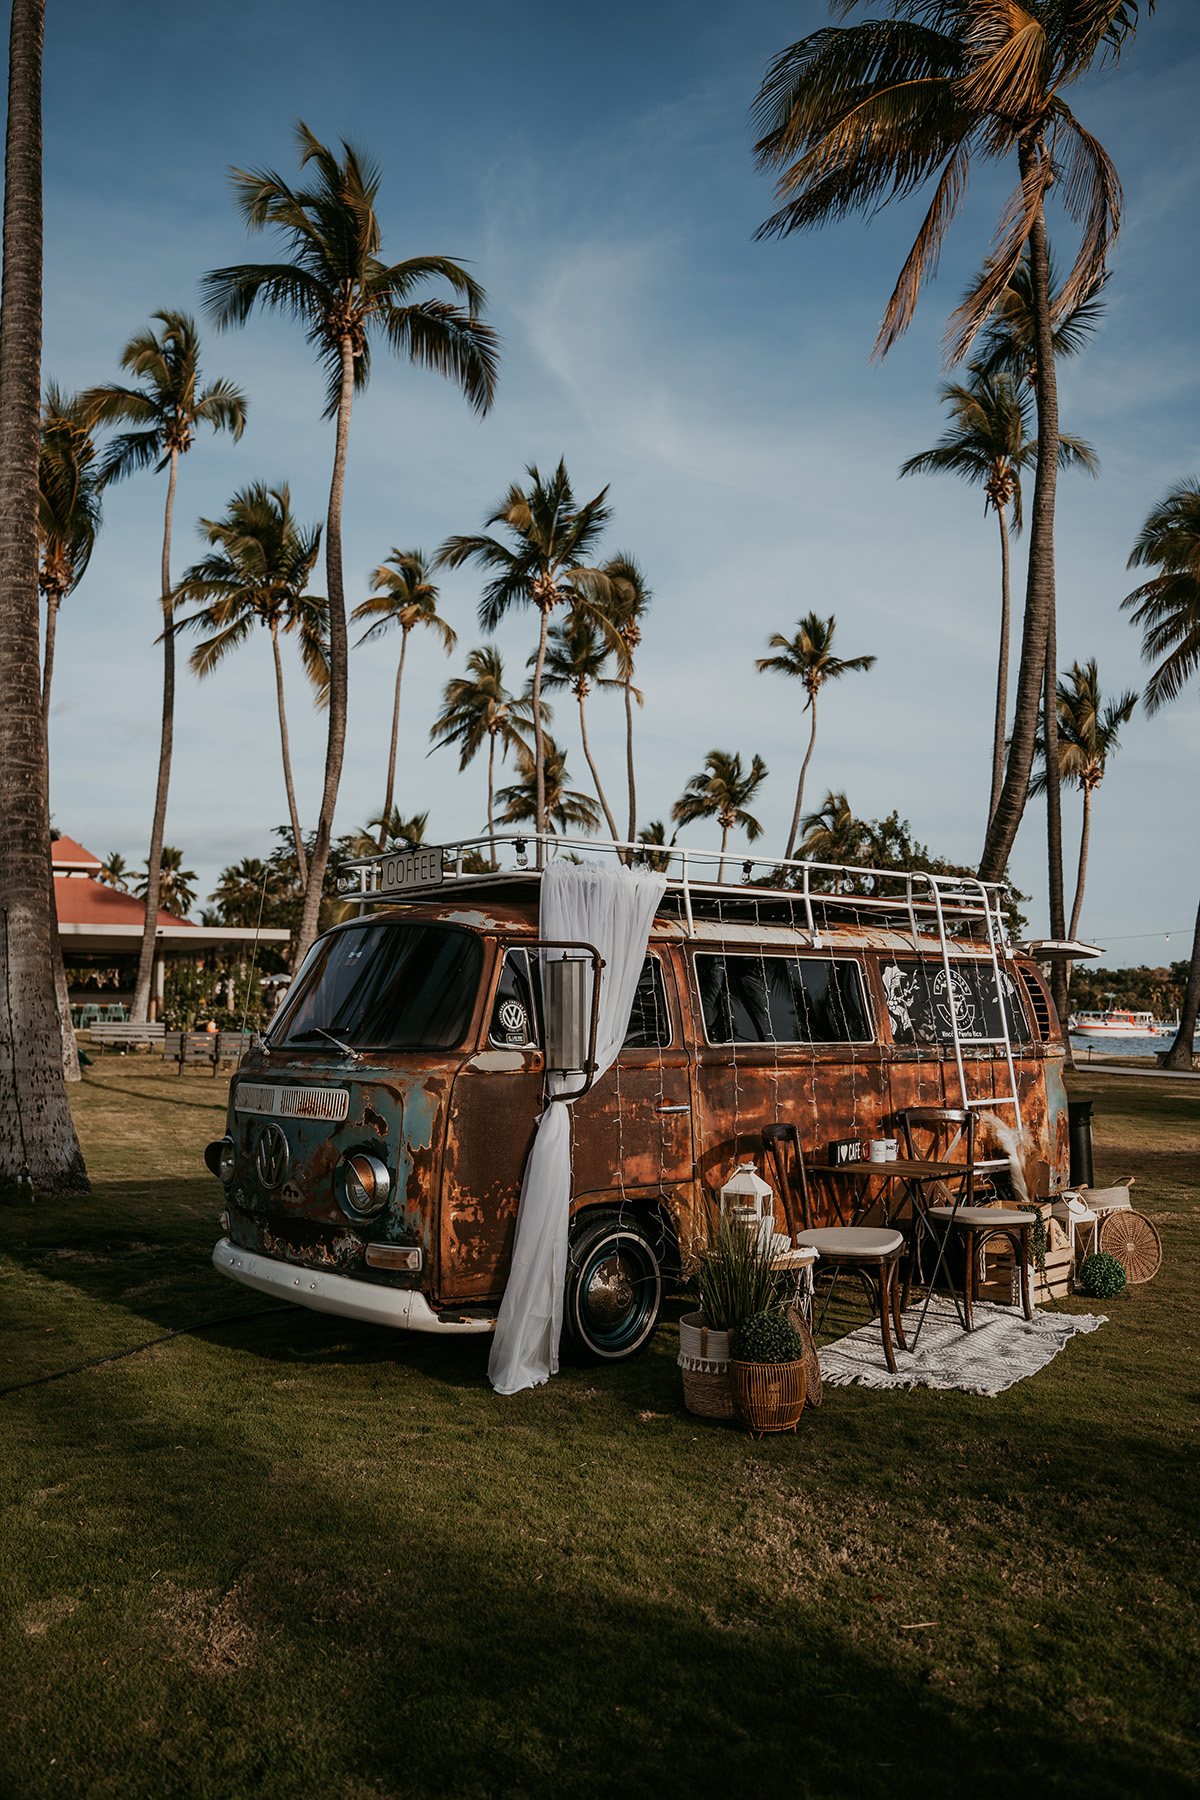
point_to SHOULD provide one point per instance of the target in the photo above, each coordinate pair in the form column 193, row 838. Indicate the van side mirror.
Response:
column 568, row 1031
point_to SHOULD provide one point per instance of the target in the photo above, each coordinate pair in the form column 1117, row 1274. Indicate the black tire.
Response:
column 614, row 1291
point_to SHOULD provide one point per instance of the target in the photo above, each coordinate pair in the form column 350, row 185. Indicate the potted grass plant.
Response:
column 736, row 1281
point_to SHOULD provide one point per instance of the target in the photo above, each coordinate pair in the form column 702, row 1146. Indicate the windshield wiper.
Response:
column 346, row 1049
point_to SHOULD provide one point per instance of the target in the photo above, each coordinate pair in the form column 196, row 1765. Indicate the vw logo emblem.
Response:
column 271, row 1157
column 512, row 1016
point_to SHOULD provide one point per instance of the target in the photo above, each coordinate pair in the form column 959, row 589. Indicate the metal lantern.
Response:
column 749, row 1201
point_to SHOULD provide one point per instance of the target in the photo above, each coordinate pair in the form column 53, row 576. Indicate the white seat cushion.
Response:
column 995, row 1216
column 852, row 1240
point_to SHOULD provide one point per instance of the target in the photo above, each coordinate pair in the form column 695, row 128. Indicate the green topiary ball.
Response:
column 1102, row 1277
column 769, row 1337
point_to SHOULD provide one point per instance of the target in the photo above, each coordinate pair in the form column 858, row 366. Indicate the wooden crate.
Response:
column 1001, row 1281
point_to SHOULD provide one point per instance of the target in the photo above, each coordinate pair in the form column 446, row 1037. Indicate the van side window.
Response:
column 782, row 1000
column 515, row 1013
column 921, row 1009
column 649, row 1021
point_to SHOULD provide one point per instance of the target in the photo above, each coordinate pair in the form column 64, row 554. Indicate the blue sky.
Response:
column 593, row 164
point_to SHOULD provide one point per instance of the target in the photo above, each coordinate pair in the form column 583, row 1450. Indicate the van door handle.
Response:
column 666, row 1109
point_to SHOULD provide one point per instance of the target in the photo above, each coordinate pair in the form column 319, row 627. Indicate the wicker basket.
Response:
column 769, row 1396
column 705, row 1366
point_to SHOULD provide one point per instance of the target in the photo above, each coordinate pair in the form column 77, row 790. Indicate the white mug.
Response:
column 879, row 1150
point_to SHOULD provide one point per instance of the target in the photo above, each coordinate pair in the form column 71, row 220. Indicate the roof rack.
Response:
column 697, row 879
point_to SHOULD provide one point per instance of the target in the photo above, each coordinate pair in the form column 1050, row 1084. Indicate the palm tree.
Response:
column 652, row 857
column 177, row 893
column 988, row 445
column 394, row 829
column 576, row 658
column 833, row 834
column 165, row 412
column 258, row 575
column 808, row 656
column 68, row 510
column 1088, row 735
column 545, row 565
column 477, row 707
column 38, row 1145
column 405, row 597
column 629, row 602
column 722, row 791
column 1168, row 610
column 853, row 117
column 559, row 805
column 337, row 287
column 116, row 873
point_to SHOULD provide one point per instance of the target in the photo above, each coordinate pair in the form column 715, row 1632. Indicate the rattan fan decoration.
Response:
column 1133, row 1240
column 812, row 1368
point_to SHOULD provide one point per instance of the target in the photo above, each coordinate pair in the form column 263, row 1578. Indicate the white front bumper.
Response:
column 406, row 1309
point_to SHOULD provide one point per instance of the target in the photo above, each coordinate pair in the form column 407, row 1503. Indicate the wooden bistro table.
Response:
column 904, row 1181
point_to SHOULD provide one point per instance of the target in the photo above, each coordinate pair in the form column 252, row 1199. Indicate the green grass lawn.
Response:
column 300, row 1556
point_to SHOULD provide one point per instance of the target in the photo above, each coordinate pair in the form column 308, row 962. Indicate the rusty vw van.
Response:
column 376, row 1135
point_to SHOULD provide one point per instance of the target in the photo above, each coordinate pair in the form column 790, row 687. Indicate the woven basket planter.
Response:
column 705, row 1366
column 769, row 1396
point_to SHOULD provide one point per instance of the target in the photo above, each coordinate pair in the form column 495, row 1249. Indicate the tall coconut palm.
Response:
column 1088, row 737
column 855, row 116
column 115, row 872
column 559, row 805
column 38, row 1145
column 477, row 709
column 988, row 445
column 1168, row 610
column 723, row 791
column 576, row 659
column 809, row 658
column 259, row 575
column 405, row 597
column 629, row 602
column 165, row 411
column 68, row 510
column 339, row 290
column 545, row 565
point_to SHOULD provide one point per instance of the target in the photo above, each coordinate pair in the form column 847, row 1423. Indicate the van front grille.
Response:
column 292, row 1102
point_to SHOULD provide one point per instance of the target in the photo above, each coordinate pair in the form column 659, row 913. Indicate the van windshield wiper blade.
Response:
column 347, row 1049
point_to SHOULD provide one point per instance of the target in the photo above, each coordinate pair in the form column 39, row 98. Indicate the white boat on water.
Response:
column 1115, row 1023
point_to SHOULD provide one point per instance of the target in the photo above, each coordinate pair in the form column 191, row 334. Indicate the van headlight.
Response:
column 366, row 1184
column 221, row 1158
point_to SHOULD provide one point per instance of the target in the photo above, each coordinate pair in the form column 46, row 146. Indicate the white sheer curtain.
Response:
column 613, row 909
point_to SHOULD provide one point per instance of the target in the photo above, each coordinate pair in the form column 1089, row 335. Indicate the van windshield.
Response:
column 383, row 987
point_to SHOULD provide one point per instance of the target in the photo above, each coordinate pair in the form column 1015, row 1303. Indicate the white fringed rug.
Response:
column 1003, row 1349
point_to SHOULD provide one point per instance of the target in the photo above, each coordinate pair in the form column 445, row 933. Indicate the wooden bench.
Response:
column 213, row 1048
column 126, row 1033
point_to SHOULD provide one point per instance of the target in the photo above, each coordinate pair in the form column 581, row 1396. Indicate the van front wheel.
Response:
column 614, row 1292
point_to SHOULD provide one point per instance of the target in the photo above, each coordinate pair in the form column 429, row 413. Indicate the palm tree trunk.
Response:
column 612, row 824
column 391, row 780
column 998, row 731
column 492, row 794
column 1058, row 921
column 53, row 597
column 632, row 838
column 1081, row 877
column 1180, row 1055
column 724, row 841
column 335, row 743
column 140, row 1010
column 1039, row 589
column 539, row 753
column 38, row 1146
column 812, row 738
column 297, row 835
